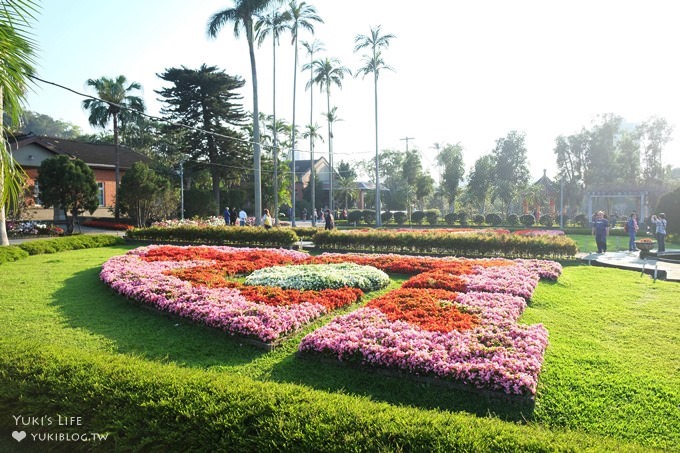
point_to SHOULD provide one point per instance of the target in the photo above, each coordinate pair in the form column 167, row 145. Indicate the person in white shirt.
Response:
column 242, row 217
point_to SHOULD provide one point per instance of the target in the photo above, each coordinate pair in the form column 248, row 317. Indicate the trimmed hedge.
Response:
column 447, row 243
column 217, row 235
column 153, row 407
column 61, row 244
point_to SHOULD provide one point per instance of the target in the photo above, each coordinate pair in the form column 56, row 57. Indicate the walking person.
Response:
column 631, row 226
column 242, row 217
column 660, row 222
column 330, row 223
column 601, row 231
column 227, row 216
column 267, row 219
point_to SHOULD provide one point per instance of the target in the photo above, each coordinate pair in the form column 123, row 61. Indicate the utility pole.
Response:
column 407, row 139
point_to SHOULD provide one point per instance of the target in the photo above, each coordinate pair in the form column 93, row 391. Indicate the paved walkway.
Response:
column 631, row 261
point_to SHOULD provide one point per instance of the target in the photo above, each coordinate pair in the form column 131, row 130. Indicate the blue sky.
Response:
column 467, row 72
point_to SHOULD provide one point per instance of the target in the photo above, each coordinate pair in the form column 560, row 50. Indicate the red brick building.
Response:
column 30, row 150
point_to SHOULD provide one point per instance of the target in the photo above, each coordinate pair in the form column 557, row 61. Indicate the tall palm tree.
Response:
column 312, row 133
column 16, row 66
column 242, row 15
column 114, row 103
column 329, row 72
column 373, row 63
column 275, row 24
column 312, row 48
column 301, row 16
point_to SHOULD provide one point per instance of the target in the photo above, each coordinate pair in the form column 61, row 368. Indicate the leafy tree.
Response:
column 601, row 155
column 144, row 194
column 628, row 159
column 327, row 72
column 511, row 173
column 654, row 134
column 481, row 181
column 40, row 124
column 115, row 104
column 206, row 99
column 450, row 158
column 424, row 187
column 241, row 15
column 670, row 205
column 347, row 182
column 70, row 184
column 16, row 65
column 373, row 64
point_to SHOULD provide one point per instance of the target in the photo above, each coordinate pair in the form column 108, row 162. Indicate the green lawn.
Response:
column 610, row 379
column 586, row 243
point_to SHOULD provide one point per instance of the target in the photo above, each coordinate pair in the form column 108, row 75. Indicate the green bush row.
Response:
column 42, row 246
column 149, row 407
column 217, row 235
column 447, row 243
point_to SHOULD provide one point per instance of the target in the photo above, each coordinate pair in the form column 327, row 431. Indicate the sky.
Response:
column 464, row 72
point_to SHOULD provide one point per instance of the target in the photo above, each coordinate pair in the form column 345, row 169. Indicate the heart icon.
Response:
column 19, row 435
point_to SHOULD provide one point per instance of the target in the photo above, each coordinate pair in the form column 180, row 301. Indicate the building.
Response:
column 30, row 150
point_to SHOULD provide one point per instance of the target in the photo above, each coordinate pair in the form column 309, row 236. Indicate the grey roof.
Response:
column 93, row 154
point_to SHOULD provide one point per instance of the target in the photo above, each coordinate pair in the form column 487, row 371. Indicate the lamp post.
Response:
column 181, row 188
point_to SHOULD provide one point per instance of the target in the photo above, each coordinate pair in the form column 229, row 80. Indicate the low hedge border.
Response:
column 442, row 243
column 217, row 235
column 43, row 246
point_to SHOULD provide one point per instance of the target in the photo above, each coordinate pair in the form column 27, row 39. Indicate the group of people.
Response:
column 230, row 216
column 601, row 231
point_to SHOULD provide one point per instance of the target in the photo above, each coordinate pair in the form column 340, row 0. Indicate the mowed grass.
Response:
column 586, row 243
column 611, row 371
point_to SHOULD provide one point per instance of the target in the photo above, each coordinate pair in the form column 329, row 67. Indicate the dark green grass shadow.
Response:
column 398, row 389
column 90, row 304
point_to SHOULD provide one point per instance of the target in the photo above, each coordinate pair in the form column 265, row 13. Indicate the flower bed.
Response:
column 454, row 319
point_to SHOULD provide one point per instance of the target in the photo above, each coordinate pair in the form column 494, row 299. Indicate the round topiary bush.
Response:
column 513, row 220
column 432, row 216
column 547, row 220
column 400, row 217
column 581, row 220
column 527, row 220
column 451, row 218
column 463, row 218
column 369, row 216
column 386, row 216
column 493, row 219
column 417, row 217
column 478, row 219
column 355, row 216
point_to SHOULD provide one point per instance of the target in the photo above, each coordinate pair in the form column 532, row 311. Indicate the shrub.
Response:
column 670, row 205
column 463, row 218
column 217, row 235
column 527, row 220
column 355, row 216
column 493, row 219
column 451, row 218
column 478, row 219
column 12, row 253
column 547, row 220
column 417, row 217
column 400, row 217
column 513, row 219
column 432, row 216
column 369, row 216
column 581, row 220
column 386, row 216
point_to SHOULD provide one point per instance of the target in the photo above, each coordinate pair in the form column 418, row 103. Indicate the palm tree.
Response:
column 16, row 66
column 373, row 63
column 312, row 133
column 242, row 16
column 329, row 72
column 301, row 15
column 312, row 48
column 114, row 103
column 275, row 24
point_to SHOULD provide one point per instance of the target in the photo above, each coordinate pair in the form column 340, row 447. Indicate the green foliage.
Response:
column 432, row 216
column 417, row 217
column 400, row 217
column 81, row 241
column 355, row 216
column 478, row 219
column 12, row 253
column 493, row 219
column 70, row 184
column 447, row 243
column 143, row 194
column 670, row 205
column 369, row 216
column 581, row 220
column 219, row 235
column 463, row 218
column 513, row 219
column 527, row 220
column 385, row 216
column 451, row 218
column 547, row 220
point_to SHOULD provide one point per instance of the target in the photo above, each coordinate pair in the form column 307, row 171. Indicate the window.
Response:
column 100, row 194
